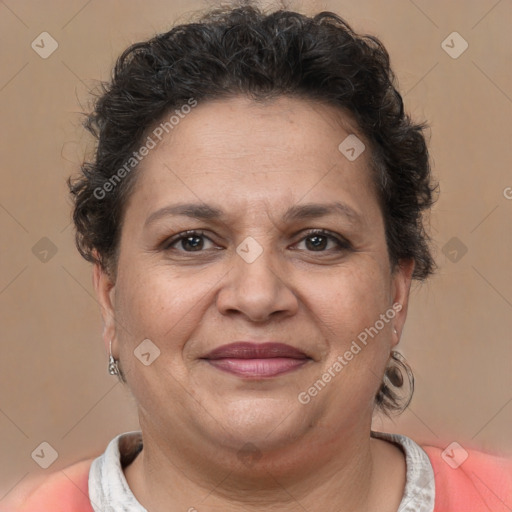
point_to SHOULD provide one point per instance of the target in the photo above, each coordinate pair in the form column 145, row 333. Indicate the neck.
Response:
column 304, row 475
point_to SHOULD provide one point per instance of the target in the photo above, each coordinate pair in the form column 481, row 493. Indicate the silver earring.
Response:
column 113, row 368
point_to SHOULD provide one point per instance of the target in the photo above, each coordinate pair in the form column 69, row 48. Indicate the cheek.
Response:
column 156, row 305
column 359, row 341
column 350, row 300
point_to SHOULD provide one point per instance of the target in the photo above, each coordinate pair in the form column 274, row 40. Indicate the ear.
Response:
column 105, row 293
column 401, row 285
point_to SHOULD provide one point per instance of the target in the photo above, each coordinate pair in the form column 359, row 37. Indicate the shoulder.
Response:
column 64, row 490
column 470, row 480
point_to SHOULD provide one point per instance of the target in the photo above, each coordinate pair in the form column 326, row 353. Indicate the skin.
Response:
column 254, row 161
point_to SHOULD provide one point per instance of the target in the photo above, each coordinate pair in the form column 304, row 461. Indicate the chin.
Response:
column 265, row 422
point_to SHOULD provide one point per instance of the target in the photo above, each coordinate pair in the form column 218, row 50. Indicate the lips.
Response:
column 250, row 350
column 256, row 360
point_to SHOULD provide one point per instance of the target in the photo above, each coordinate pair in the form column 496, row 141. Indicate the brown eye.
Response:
column 319, row 240
column 195, row 242
column 189, row 241
column 316, row 242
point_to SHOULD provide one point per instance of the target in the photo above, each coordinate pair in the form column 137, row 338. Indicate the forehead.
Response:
column 239, row 126
column 239, row 152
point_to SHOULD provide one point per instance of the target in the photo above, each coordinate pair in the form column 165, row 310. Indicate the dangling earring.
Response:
column 113, row 368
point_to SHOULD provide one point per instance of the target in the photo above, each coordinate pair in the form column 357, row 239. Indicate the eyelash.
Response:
column 342, row 243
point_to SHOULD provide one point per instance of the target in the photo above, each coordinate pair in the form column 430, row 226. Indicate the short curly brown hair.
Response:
column 243, row 50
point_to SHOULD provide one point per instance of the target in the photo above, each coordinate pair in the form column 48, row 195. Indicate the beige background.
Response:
column 53, row 370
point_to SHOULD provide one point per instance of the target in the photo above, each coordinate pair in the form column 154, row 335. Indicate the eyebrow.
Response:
column 297, row 212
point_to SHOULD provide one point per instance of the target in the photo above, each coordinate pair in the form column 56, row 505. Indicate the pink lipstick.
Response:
column 256, row 360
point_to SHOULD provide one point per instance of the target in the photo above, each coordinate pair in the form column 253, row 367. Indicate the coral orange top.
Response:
column 483, row 483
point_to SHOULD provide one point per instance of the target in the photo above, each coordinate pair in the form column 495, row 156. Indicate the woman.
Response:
column 254, row 217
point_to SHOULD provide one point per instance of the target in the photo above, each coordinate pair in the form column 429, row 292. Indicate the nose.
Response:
column 258, row 290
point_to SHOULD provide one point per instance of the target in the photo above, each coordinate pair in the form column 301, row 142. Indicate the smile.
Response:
column 251, row 360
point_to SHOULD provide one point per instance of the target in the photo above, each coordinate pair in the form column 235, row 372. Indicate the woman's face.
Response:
column 250, row 174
